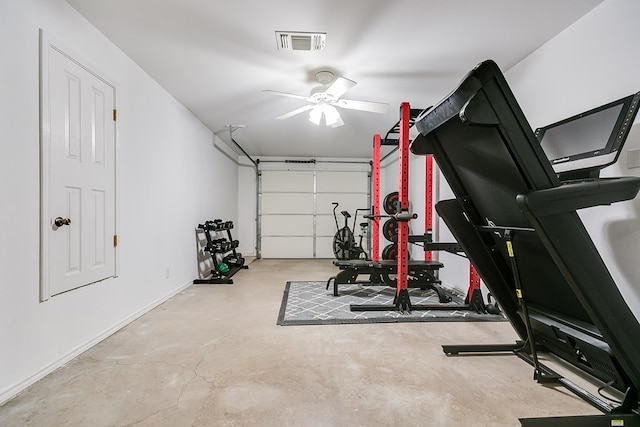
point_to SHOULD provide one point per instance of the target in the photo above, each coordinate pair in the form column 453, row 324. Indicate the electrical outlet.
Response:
column 167, row 272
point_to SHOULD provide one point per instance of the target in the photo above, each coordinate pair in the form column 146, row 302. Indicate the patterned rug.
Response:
column 310, row 303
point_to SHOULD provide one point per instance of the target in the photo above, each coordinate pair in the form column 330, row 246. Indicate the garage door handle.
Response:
column 59, row 221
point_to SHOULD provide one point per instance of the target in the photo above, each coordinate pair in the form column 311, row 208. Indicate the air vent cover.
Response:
column 288, row 40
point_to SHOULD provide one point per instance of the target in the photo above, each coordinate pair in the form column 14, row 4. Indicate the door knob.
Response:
column 59, row 221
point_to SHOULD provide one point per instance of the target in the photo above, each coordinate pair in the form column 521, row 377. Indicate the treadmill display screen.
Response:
column 589, row 140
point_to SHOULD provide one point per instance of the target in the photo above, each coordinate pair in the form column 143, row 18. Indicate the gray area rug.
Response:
column 310, row 303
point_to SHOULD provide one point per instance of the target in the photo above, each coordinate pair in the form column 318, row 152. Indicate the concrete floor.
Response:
column 214, row 356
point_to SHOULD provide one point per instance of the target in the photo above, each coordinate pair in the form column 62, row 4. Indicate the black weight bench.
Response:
column 421, row 275
column 517, row 223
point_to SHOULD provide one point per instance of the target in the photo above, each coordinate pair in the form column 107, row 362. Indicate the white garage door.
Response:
column 296, row 212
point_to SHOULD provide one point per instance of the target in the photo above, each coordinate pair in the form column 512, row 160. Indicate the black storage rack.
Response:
column 226, row 260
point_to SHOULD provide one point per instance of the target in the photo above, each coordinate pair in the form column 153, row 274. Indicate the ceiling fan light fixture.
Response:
column 329, row 112
column 331, row 115
column 315, row 116
column 338, row 123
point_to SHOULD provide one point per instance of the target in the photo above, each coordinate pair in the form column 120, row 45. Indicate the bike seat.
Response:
column 364, row 224
column 346, row 214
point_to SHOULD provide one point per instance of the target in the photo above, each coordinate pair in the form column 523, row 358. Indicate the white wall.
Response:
column 593, row 62
column 170, row 172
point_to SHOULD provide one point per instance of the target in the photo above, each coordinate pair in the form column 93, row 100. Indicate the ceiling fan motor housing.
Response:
column 324, row 77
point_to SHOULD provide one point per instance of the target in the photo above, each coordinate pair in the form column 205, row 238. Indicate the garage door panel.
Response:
column 287, row 225
column 296, row 211
column 326, row 226
column 341, row 182
column 283, row 203
column 287, row 181
column 287, row 247
column 324, row 247
column 349, row 202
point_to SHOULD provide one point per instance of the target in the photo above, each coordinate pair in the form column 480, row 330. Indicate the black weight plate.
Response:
column 390, row 229
column 390, row 281
column 391, row 203
column 390, row 252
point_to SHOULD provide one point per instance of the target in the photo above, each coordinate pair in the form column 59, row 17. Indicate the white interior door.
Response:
column 78, row 175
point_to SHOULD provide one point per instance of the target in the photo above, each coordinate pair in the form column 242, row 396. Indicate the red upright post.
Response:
column 375, row 225
column 428, row 202
column 402, row 294
column 474, row 284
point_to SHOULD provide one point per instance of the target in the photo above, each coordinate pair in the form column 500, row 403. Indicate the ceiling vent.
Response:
column 288, row 40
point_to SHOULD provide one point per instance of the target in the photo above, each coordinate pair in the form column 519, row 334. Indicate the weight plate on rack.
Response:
column 390, row 252
column 391, row 203
column 390, row 230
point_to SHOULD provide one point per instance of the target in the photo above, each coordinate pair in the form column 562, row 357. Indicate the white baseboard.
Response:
column 16, row 389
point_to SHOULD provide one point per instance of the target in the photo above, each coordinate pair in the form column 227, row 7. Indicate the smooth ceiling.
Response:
column 216, row 57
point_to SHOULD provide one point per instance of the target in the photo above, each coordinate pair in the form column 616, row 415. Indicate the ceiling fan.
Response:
column 324, row 100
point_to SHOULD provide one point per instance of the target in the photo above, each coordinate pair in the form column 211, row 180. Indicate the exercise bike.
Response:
column 344, row 243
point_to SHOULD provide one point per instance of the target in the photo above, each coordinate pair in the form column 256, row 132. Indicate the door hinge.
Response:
column 115, row 240
column 115, row 114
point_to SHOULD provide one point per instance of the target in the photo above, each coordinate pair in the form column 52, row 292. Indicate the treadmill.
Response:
column 516, row 220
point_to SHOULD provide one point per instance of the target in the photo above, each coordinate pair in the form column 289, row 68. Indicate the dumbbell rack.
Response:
column 222, row 251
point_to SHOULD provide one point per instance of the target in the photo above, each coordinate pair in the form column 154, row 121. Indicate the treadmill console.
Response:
column 581, row 145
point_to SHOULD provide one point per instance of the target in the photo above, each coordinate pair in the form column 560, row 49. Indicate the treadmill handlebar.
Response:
column 579, row 195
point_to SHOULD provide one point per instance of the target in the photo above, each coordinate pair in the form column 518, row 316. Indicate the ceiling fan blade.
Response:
column 295, row 112
column 339, row 87
column 289, row 95
column 372, row 107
